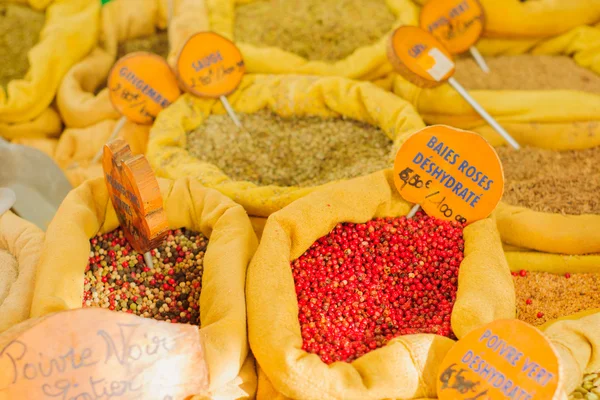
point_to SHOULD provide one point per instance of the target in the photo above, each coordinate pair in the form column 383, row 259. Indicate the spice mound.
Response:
column 364, row 284
column 20, row 28
column 526, row 72
column 550, row 181
column 118, row 279
column 325, row 30
column 589, row 388
column 157, row 44
column 304, row 151
column 543, row 297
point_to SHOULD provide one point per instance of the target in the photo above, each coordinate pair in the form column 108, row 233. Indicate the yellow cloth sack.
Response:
column 521, row 258
column 88, row 211
column 407, row 367
column 552, row 119
column 366, row 63
column 285, row 96
column 20, row 248
column 69, row 33
column 122, row 20
column 47, row 124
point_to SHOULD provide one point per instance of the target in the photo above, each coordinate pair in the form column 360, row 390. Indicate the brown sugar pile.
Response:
column 20, row 28
column 565, row 182
column 314, row 29
column 543, row 297
column 526, row 72
column 157, row 44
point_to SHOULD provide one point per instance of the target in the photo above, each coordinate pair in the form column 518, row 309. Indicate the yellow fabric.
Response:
column 285, row 96
column 577, row 342
column 555, row 263
column 87, row 211
column 69, row 33
column 20, row 248
column 553, row 233
column 368, row 62
column 76, row 148
column 407, row 367
column 48, row 123
column 122, row 20
column 552, row 119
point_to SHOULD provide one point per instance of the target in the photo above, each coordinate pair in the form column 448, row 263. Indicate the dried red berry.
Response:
column 523, row 272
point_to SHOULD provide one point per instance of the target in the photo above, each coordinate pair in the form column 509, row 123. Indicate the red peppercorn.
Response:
column 540, row 314
column 523, row 272
column 528, row 301
column 567, row 275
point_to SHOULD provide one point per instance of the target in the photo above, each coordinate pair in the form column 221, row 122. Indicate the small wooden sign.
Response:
column 506, row 359
column 140, row 85
column 210, row 65
column 135, row 195
column 457, row 24
column 419, row 57
column 92, row 353
column 453, row 174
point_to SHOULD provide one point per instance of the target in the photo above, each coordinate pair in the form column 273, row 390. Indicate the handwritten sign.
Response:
column 210, row 65
column 96, row 354
column 507, row 359
column 419, row 56
column 140, row 85
column 457, row 24
column 135, row 195
column 453, row 174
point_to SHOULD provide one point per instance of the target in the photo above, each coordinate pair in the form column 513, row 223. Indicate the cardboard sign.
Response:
column 457, row 24
column 453, row 174
column 419, row 57
column 92, row 353
column 210, row 65
column 506, row 359
column 135, row 195
column 140, row 85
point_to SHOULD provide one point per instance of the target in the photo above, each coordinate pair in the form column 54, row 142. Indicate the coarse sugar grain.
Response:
column 157, row 43
column 543, row 296
column 20, row 28
column 526, row 72
column 297, row 151
column 117, row 277
column 552, row 181
column 325, row 30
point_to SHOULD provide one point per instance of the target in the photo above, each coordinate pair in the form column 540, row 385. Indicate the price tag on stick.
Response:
column 92, row 353
column 140, row 85
column 506, row 359
column 135, row 195
column 452, row 174
column 457, row 24
column 210, row 65
column 424, row 61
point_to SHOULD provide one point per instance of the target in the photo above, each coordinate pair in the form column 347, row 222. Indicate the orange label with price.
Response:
column 419, row 56
column 506, row 359
column 210, row 65
column 458, row 24
column 453, row 174
column 140, row 85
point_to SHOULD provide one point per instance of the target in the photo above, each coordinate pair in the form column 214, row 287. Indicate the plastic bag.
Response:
column 122, row 20
column 285, row 96
column 20, row 248
column 69, row 33
column 88, row 211
column 485, row 293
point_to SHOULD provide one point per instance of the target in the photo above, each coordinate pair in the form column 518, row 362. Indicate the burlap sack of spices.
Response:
column 75, row 149
column 552, row 119
column 366, row 62
column 286, row 96
column 88, row 211
column 405, row 368
column 20, row 248
column 69, row 33
column 78, row 99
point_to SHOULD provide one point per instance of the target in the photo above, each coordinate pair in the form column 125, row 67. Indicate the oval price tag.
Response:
column 140, row 85
column 506, row 359
column 453, row 174
column 457, row 24
column 419, row 57
column 210, row 65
